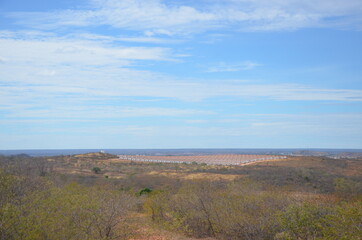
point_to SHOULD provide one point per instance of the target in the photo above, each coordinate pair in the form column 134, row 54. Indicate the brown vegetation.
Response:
column 64, row 198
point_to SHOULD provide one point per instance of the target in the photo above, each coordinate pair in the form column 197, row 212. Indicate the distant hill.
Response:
column 95, row 155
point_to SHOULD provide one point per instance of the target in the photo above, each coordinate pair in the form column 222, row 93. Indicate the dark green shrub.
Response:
column 96, row 170
column 145, row 191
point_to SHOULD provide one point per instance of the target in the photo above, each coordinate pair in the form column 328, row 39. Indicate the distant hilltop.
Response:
column 95, row 155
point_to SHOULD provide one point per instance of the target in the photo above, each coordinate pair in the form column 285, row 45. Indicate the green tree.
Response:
column 96, row 170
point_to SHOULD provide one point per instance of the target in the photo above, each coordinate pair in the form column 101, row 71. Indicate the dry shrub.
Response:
column 241, row 210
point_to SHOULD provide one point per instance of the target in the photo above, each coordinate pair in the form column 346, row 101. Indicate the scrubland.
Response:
column 66, row 197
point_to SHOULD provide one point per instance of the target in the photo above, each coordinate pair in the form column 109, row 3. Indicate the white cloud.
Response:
column 146, row 40
column 74, row 51
column 197, row 121
column 55, row 78
column 332, row 125
column 233, row 67
column 159, row 17
column 105, row 112
column 43, row 73
column 47, row 72
column 252, row 130
column 269, row 125
column 50, row 67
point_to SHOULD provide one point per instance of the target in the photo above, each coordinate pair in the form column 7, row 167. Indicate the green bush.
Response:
column 145, row 191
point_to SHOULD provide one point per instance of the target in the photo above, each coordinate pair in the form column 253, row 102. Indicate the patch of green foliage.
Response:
column 96, row 170
column 145, row 191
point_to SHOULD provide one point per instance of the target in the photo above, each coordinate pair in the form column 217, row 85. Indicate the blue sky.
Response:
column 180, row 74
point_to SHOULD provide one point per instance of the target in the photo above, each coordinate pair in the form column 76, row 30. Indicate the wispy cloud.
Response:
column 157, row 17
column 54, row 67
column 74, row 51
column 233, row 67
column 129, row 68
column 140, row 38
column 103, row 112
column 267, row 125
column 196, row 121
column 146, row 40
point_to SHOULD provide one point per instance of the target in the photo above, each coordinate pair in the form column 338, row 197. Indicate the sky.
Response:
column 180, row 74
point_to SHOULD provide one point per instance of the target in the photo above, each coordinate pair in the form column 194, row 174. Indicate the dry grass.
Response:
column 149, row 231
column 196, row 176
column 346, row 167
column 300, row 174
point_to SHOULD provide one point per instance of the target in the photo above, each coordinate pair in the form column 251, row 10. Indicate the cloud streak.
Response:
column 70, row 68
column 103, row 112
column 156, row 17
column 129, row 70
column 233, row 67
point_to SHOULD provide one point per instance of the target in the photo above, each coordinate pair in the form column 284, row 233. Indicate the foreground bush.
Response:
column 236, row 211
column 70, row 212
column 316, row 221
column 245, row 210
